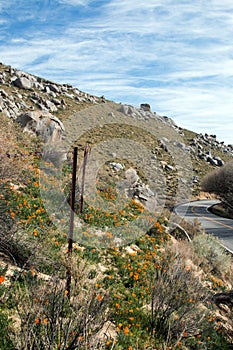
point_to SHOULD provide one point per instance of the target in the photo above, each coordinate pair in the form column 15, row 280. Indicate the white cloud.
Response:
column 3, row 21
column 75, row 2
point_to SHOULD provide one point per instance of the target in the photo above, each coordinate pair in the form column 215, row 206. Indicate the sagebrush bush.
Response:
column 210, row 255
column 177, row 296
column 47, row 319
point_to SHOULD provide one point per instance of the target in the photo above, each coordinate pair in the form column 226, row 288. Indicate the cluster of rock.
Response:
column 206, row 145
column 201, row 146
column 145, row 113
column 37, row 97
column 137, row 189
column 134, row 187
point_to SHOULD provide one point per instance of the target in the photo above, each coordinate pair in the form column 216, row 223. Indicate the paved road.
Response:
column 220, row 227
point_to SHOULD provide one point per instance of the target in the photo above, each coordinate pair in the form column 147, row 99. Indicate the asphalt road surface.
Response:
column 216, row 225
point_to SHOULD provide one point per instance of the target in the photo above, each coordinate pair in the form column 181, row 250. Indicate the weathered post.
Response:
column 87, row 150
column 71, row 226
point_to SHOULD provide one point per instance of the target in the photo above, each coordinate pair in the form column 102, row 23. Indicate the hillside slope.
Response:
column 35, row 103
column 126, row 284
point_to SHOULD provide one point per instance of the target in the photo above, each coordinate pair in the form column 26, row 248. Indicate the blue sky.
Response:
column 175, row 55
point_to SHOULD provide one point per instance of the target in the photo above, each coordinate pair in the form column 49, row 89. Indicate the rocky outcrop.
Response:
column 29, row 93
column 36, row 103
column 206, row 145
column 145, row 113
column 135, row 188
column 145, row 107
column 42, row 124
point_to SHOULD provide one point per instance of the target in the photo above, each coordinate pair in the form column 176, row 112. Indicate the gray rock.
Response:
column 130, row 110
column 1, row 102
column 42, row 124
column 23, row 83
column 163, row 145
column 46, row 89
column 3, row 93
column 212, row 161
column 219, row 161
column 169, row 167
column 71, row 96
column 56, row 101
column 37, row 85
column 145, row 107
column 131, row 177
column 51, row 106
column 123, row 109
column 116, row 166
column 181, row 145
column 6, row 112
column 54, row 88
column 195, row 179
column 51, row 93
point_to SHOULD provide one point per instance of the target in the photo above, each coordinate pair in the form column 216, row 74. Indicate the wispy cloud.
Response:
column 75, row 2
column 177, row 56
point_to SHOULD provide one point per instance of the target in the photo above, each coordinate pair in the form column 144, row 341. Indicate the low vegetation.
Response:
column 156, row 293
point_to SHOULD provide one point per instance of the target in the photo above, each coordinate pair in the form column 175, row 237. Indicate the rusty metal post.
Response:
column 87, row 150
column 71, row 226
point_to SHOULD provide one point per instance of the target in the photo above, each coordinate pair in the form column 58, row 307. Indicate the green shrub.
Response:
column 5, row 341
column 211, row 256
column 49, row 319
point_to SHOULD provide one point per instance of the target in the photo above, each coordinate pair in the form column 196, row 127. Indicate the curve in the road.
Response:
column 219, row 226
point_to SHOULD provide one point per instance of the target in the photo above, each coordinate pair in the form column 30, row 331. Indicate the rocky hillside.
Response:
column 42, row 108
column 126, row 283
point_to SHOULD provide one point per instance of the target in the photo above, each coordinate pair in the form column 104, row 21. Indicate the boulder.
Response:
column 54, row 88
column 42, row 124
column 212, row 161
column 116, row 166
column 145, row 107
column 23, row 83
column 132, row 177
column 220, row 162
column 123, row 109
